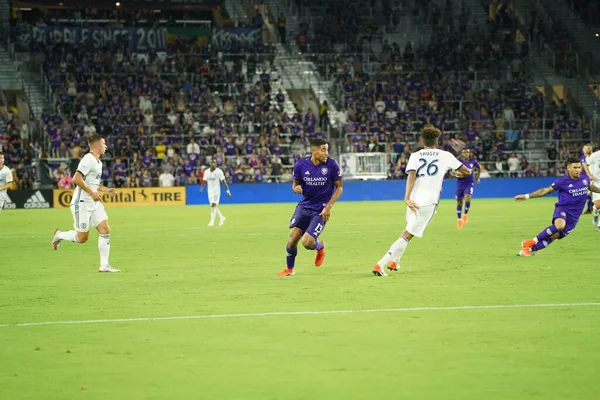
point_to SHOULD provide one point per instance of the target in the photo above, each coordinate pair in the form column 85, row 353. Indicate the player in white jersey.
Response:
column 593, row 164
column 213, row 177
column 586, row 153
column 86, row 205
column 426, row 169
column 6, row 180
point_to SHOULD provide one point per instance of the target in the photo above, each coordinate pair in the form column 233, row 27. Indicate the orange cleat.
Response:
column 320, row 257
column 459, row 224
column 287, row 272
column 393, row 266
column 378, row 271
column 526, row 252
column 528, row 243
column 465, row 219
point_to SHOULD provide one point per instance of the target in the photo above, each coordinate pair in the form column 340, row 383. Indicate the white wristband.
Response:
column 526, row 196
column 228, row 192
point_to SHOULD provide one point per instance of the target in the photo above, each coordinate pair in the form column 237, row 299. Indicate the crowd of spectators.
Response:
column 173, row 114
column 165, row 117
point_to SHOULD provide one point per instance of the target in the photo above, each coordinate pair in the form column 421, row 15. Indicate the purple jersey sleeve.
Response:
column 476, row 164
column 336, row 172
column 557, row 184
column 298, row 171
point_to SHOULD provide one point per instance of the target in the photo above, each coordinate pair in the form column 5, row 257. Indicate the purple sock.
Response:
column 318, row 246
column 290, row 259
column 459, row 211
column 546, row 233
column 540, row 245
column 467, row 206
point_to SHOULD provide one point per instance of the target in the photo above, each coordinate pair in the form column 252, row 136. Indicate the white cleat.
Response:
column 211, row 223
column 222, row 221
column 108, row 268
column 55, row 240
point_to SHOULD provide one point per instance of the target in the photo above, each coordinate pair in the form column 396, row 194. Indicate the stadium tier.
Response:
column 177, row 107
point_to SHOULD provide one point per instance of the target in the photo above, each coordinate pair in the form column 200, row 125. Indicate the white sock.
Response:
column 213, row 214
column 595, row 210
column 395, row 252
column 104, row 248
column 219, row 213
column 70, row 236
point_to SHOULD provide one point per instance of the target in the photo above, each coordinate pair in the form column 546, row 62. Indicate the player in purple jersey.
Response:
column 572, row 194
column 318, row 179
column 464, row 187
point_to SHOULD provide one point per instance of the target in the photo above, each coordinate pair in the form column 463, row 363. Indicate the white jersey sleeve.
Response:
column 85, row 165
column 593, row 162
column 430, row 166
column 5, row 177
column 221, row 175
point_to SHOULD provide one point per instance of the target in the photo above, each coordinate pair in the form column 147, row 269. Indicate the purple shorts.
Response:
column 462, row 189
column 309, row 221
column 569, row 218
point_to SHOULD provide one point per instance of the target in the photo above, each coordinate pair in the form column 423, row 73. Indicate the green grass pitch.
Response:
column 174, row 265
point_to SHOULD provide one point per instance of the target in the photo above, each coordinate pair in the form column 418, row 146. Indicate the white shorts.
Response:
column 595, row 197
column 214, row 197
column 416, row 223
column 86, row 216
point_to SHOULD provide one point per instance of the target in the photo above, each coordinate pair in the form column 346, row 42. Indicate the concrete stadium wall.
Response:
column 365, row 191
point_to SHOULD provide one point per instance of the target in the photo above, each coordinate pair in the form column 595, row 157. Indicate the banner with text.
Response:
column 27, row 199
column 173, row 196
column 232, row 38
column 136, row 39
column 185, row 37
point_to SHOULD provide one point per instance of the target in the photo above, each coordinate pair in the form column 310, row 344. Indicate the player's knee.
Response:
column 560, row 224
column 308, row 242
column 82, row 237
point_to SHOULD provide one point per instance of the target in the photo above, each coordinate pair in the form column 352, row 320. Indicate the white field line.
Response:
column 215, row 232
column 295, row 313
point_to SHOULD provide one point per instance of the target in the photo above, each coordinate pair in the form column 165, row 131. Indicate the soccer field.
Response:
column 227, row 328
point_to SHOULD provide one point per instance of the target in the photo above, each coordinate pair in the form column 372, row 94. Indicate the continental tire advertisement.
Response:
column 173, row 196
column 26, row 199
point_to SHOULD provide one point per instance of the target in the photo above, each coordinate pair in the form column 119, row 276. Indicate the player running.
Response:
column 464, row 187
column 319, row 179
column 86, row 207
column 6, row 180
column 572, row 192
column 426, row 169
column 586, row 152
column 593, row 164
column 213, row 177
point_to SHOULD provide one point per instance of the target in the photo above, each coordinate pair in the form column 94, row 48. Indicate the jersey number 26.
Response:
column 431, row 169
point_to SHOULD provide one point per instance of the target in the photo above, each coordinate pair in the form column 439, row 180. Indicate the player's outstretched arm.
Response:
column 202, row 185
column 463, row 172
column 105, row 189
column 538, row 193
column 594, row 188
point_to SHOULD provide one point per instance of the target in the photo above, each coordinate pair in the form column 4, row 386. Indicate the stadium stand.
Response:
column 178, row 108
